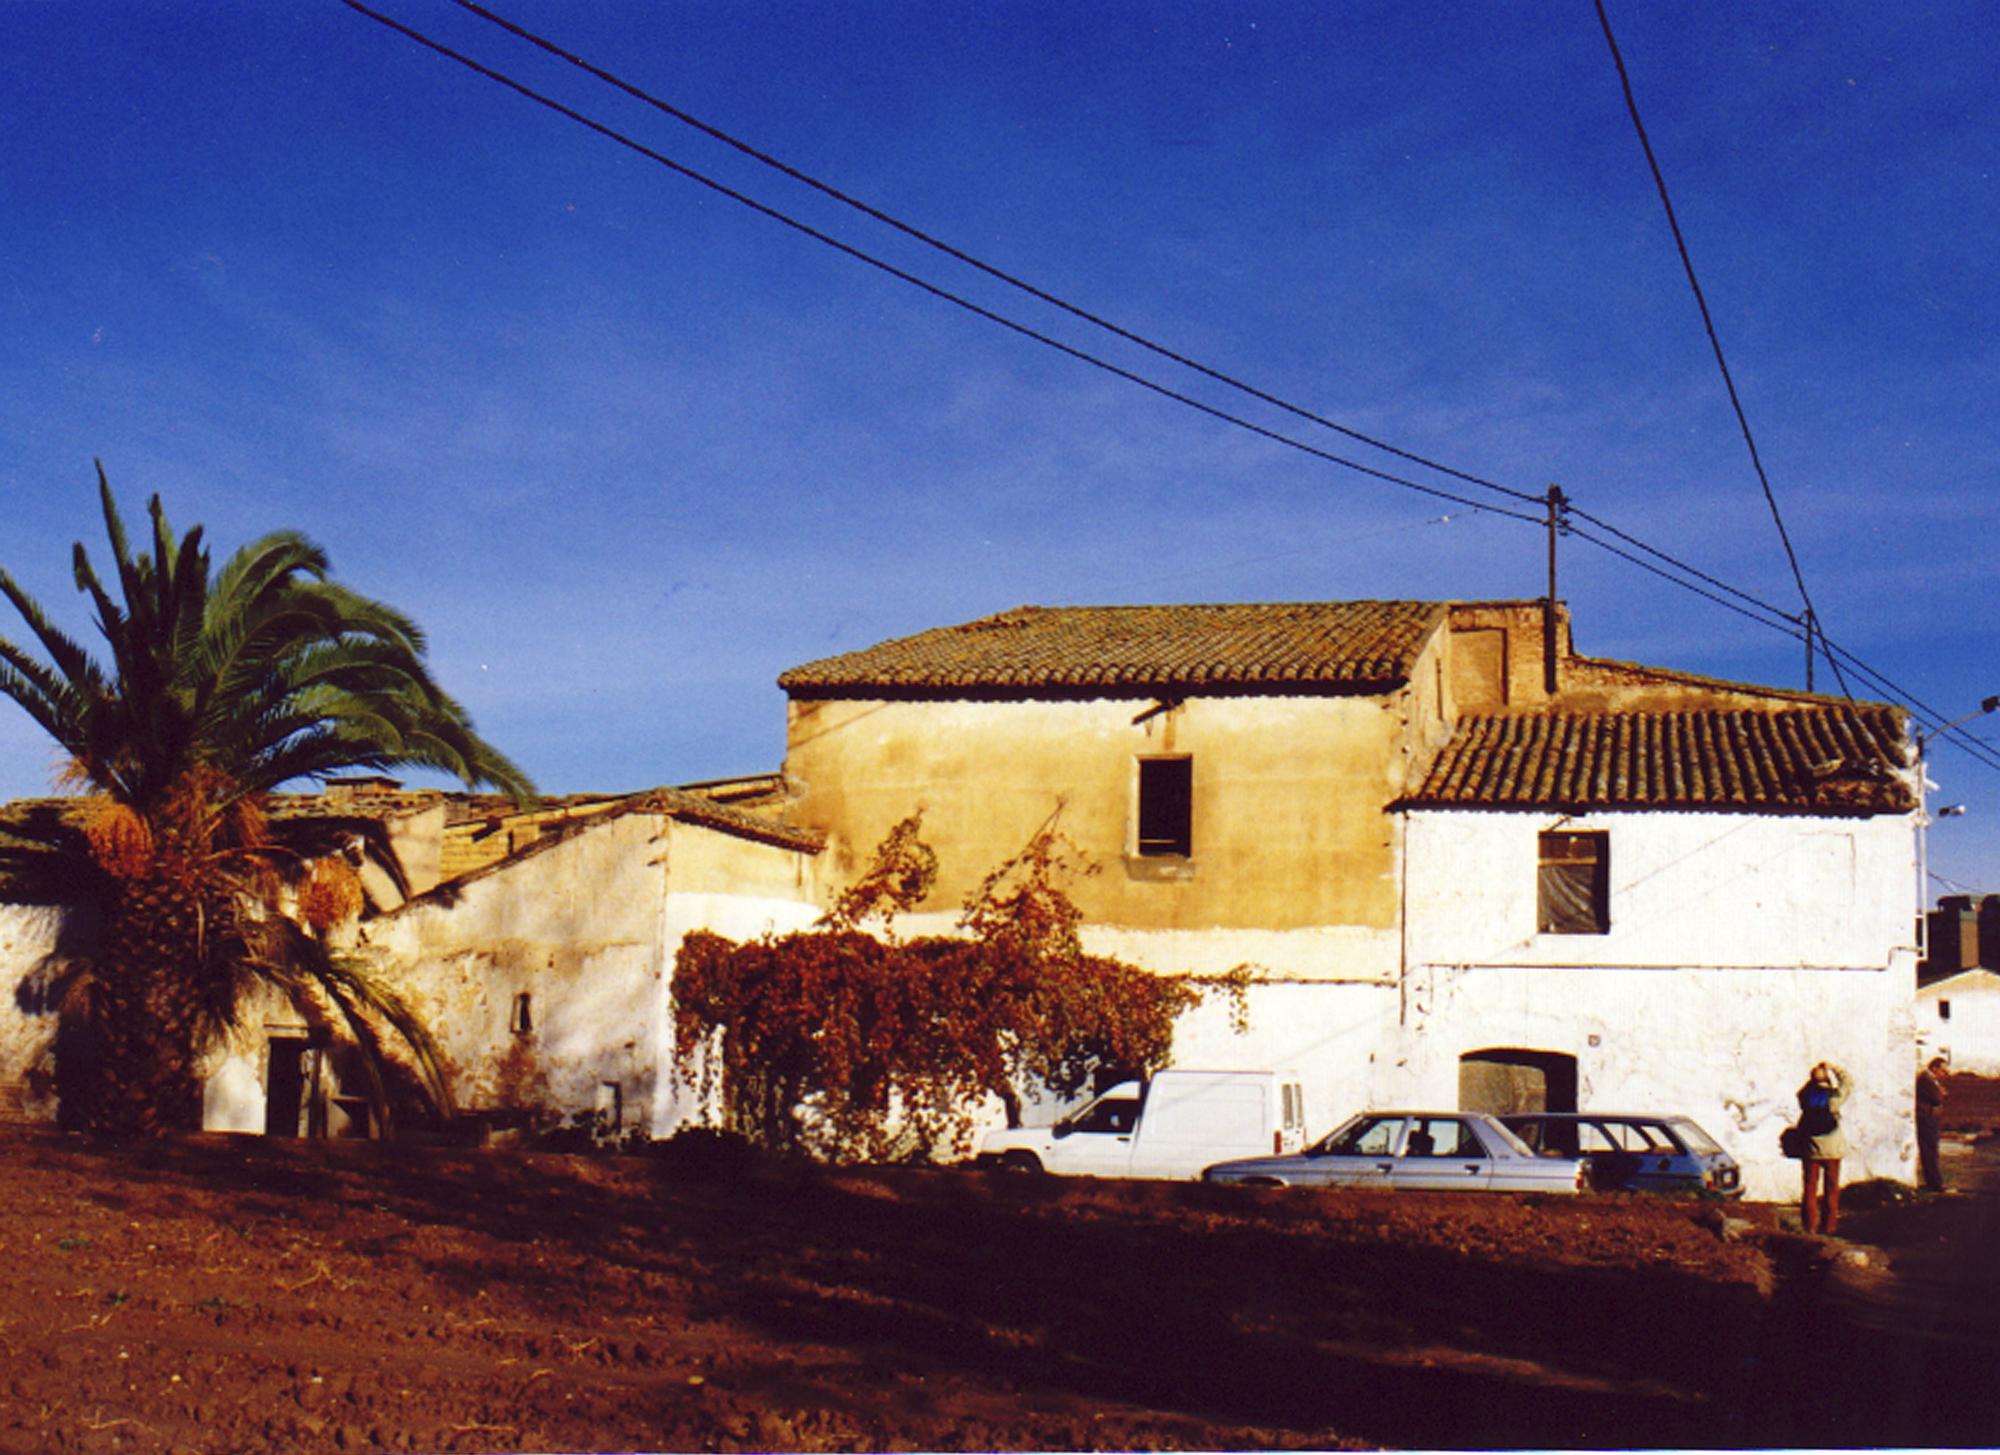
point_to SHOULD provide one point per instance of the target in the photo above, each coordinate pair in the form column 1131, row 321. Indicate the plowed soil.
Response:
column 238, row 1294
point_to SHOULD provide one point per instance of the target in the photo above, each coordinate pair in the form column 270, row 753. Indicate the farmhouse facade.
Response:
column 1464, row 865
column 1467, row 865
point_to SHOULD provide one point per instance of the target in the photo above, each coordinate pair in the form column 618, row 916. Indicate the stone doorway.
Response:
column 1508, row 1079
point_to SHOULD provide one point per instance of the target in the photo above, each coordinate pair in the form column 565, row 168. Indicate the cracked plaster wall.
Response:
column 587, row 929
column 573, row 927
column 1742, row 950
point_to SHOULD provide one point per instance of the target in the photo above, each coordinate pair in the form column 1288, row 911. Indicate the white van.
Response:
column 1171, row 1126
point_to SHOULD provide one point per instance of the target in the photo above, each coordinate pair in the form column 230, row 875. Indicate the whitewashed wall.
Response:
column 574, row 927
column 1970, row 1039
column 1742, row 950
column 1337, row 1037
column 732, row 887
column 1686, row 889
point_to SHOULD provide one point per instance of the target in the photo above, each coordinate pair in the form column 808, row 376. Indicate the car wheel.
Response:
column 1021, row 1162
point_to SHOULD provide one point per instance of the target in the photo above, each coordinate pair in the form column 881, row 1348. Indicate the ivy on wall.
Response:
column 849, row 1044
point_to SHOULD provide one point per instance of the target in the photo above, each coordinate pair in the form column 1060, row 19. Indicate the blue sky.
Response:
column 629, row 450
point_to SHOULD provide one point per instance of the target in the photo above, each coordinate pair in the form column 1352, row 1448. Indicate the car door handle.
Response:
column 1385, row 1166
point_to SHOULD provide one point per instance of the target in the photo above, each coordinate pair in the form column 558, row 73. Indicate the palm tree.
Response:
column 219, row 689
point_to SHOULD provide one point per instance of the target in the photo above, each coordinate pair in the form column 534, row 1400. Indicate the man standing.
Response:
column 1930, row 1117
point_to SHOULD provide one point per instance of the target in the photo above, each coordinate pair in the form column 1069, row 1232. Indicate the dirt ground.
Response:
column 248, row 1295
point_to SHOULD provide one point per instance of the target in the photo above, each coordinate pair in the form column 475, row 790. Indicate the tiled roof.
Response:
column 1323, row 645
column 1835, row 758
column 699, row 809
column 370, row 803
column 694, row 804
column 465, row 808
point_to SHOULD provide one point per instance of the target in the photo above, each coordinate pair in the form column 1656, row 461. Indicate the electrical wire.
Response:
column 1715, row 342
column 1944, row 727
column 1681, row 565
column 943, row 294
column 960, row 255
column 1788, row 625
column 1745, row 605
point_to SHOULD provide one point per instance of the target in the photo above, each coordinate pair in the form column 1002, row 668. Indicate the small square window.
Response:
column 1573, row 884
column 1166, row 806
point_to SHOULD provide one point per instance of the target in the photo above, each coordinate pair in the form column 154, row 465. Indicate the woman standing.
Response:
column 1819, row 1123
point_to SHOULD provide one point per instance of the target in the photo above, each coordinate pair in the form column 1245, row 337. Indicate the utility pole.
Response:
column 1555, row 500
column 1812, row 625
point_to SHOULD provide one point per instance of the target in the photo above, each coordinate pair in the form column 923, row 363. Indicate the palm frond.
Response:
column 65, row 652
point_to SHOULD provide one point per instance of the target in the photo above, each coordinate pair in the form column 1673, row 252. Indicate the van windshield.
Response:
column 1111, row 1114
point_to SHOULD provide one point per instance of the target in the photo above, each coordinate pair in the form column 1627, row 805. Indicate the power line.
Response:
column 944, row 294
column 1681, row 565
column 1715, row 342
column 1789, row 624
column 1946, row 727
column 960, row 255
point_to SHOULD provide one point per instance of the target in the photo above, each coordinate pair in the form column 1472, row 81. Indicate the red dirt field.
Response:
column 238, row 1294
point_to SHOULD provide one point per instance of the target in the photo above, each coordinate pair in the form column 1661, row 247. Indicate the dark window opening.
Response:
column 1573, row 895
column 1944, row 1010
column 1166, row 806
column 291, row 1086
column 523, row 1019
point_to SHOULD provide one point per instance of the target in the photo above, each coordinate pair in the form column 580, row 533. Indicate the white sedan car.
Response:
column 1416, row 1151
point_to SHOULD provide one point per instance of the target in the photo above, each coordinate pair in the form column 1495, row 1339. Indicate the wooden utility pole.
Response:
column 1556, row 500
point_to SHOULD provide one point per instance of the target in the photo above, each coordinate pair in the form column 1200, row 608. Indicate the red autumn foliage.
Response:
column 847, row 1045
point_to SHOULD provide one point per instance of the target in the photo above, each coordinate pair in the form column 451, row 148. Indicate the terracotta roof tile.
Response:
column 694, row 804
column 1326, row 645
column 700, row 809
column 1835, row 758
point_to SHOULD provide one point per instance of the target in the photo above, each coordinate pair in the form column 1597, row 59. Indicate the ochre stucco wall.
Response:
column 1288, row 824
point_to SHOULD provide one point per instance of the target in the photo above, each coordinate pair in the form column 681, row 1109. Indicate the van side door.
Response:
column 1096, row 1141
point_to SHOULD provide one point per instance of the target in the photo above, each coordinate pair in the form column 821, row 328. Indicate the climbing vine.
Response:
column 846, row 1044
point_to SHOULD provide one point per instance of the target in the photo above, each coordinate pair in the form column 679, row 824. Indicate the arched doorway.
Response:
column 1504, row 1079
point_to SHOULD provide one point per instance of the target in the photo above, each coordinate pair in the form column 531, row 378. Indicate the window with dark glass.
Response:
column 1166, row 806
column 1574, row 886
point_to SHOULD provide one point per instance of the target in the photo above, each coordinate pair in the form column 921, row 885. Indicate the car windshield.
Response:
column 1698, row 1142
column 1363, row 1137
